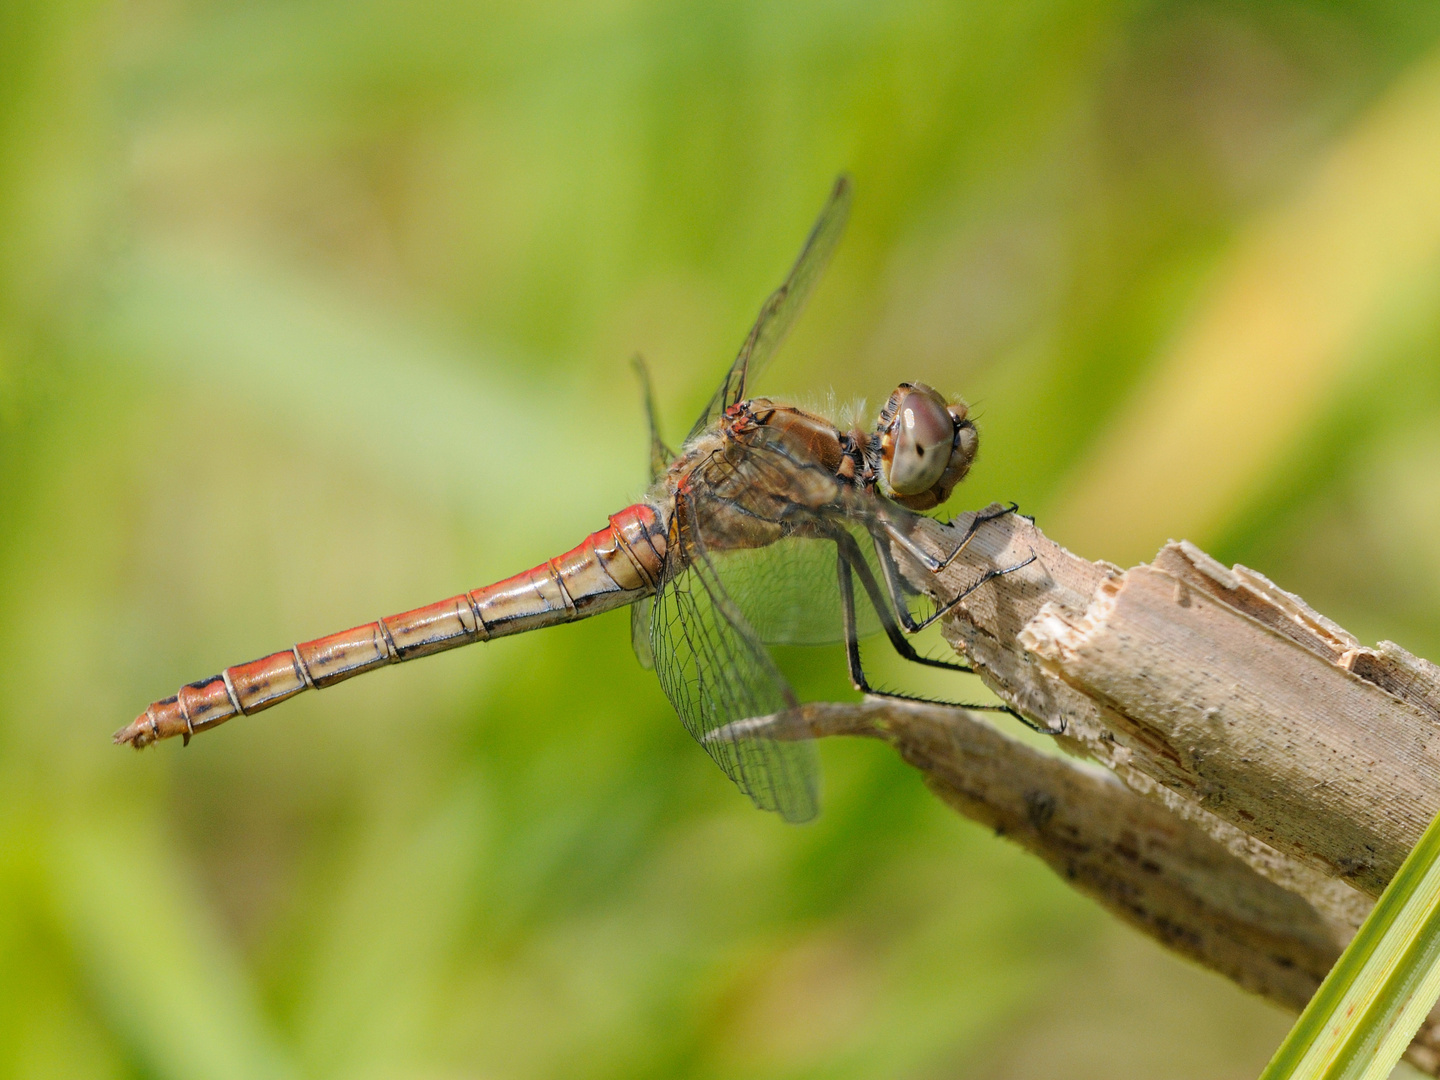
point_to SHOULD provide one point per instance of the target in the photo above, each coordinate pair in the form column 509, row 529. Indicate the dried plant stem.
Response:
column 1265, row 773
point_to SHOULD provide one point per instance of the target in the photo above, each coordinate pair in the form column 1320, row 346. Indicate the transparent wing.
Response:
column 660, row 454
column 789, row 591
column 640, row 615
column 780, row 311
column 715, row 671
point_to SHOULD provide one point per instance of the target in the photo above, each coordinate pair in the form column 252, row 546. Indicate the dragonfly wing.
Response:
column 783, row 307
column 660, row 454
column 789, row 591
column 716, row 671
column 640, row 615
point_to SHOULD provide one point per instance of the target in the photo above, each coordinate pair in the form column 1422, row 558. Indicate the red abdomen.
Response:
column 611, row 568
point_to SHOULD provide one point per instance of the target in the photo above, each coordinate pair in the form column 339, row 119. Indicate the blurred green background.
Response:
column 316, row 311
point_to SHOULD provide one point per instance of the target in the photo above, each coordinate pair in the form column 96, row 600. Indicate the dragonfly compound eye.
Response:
column 926, row 446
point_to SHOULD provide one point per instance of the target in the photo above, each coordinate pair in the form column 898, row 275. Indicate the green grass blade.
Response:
column 1373, row 1001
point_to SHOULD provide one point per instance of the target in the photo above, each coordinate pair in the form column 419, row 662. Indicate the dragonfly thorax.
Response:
column 805, row 438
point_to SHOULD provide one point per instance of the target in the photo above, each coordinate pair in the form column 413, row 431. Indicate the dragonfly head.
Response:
column 926, row 445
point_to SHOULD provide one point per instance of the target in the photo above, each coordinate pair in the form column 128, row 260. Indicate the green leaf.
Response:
column 1373, row 1001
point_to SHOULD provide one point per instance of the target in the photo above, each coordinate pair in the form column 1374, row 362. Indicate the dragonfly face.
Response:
column 926, row 445
column 718, row 562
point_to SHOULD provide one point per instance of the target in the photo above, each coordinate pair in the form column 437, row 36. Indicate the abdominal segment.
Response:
column 610, row 568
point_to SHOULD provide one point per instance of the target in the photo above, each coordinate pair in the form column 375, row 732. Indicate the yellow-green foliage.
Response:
column 315, row 311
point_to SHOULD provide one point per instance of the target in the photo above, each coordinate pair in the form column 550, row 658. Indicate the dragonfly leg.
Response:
column 847, row 568
column 857, row 671
column 882, row 603
column 925, row 559
column 988, row 576
column 919, row 554
column 851, row 562
column 894, row 583
column 979, row 519
column 895, row 586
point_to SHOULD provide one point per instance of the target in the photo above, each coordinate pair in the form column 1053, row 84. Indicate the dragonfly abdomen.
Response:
column 610, row 568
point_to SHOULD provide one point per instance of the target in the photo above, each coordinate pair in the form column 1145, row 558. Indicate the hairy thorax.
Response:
column 759, row 473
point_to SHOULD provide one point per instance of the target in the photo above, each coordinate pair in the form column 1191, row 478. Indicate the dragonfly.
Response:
column 755, row 533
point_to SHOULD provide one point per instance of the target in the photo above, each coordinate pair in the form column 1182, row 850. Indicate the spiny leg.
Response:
column 979, row 519
column 852, row 640
column 846, row 568
column 882, row 603
column 894, row 583
column 988, row 576
column 895, row 586
column 930, row 562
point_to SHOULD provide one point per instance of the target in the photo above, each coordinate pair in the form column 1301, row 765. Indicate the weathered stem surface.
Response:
column 1265, row 774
